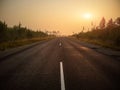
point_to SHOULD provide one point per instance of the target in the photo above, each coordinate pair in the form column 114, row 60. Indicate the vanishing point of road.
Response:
column 59, row 64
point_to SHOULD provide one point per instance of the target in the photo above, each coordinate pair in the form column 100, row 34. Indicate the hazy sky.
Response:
column 67, row 16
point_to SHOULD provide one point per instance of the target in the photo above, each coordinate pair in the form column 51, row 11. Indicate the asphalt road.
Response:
column 38, row 68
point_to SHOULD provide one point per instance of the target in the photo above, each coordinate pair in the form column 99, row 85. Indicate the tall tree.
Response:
column 117, row 21
column 102, row 23
column 110, row 23
column 3, row 28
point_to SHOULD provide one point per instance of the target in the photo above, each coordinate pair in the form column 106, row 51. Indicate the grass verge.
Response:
column 106, row 44
column 17, row 43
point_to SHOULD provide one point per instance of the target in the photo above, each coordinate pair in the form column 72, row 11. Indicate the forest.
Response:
column 17, row 32
column 107, row 33
column 18, row 35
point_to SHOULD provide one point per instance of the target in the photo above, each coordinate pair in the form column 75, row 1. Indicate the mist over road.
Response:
column 38, row 68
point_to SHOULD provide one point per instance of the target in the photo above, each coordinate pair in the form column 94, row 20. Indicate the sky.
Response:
column 66, row 16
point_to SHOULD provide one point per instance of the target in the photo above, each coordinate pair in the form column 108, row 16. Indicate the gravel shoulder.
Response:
column 100, row 49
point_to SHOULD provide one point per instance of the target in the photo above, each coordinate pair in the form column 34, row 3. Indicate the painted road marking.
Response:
column 60, row 44
column 62, row 76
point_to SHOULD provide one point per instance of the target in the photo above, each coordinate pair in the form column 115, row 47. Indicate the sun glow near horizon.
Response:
column 87, row 15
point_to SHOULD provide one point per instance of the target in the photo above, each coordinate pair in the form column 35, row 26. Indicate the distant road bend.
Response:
column 59, row 64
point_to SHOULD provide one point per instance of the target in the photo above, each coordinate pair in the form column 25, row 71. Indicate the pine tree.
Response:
column 110, row 23
column 102, row 23
column 117, row 21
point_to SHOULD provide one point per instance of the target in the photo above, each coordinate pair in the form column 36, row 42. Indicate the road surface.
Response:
column 38, row 68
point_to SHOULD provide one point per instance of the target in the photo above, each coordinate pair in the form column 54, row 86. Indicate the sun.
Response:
column 87, row 15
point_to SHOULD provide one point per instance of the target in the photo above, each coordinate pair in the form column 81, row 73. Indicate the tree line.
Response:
column 106, row 31
column 18, row 32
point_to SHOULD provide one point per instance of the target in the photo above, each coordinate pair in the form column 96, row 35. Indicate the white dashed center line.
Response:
column 60, row 44
column 62, row 76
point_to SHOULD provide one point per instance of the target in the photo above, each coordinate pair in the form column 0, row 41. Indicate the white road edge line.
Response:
column 62, row 76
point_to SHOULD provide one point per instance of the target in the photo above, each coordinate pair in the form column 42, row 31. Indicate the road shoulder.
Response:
column 100, row 49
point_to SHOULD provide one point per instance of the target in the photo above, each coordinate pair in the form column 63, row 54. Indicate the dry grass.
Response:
column 102, row 43
column 17, row 43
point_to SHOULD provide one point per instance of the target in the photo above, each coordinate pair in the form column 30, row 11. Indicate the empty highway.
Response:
column 39, row 68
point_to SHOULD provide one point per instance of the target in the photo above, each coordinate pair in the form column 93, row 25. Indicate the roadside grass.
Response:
column 17, row 43
column 108, row 37
column 106, row 44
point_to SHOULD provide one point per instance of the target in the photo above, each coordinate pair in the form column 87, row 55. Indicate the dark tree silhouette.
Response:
column 3, row 28
column 102, row 23
column 110, row 23
column 117, row 21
